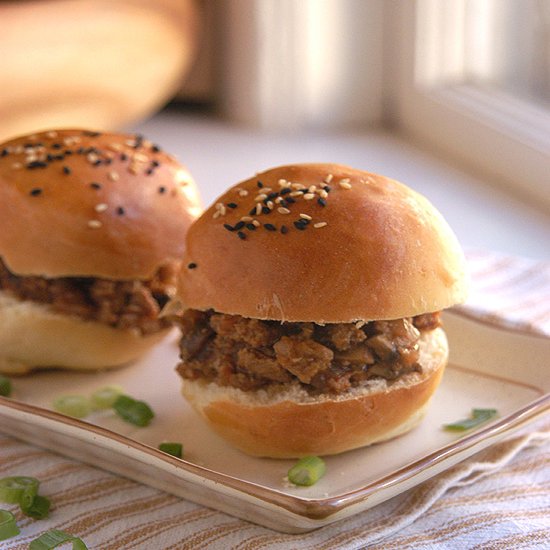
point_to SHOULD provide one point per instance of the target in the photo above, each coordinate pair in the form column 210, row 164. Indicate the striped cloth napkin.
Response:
column 499, row 498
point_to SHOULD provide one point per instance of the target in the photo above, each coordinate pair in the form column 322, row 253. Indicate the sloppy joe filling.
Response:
column 250, row 354
column 119, row 304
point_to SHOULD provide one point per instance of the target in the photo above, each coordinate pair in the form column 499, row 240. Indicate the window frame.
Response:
column 504, row 137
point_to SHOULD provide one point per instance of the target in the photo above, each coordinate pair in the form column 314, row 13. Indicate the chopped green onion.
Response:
column 18, row 490
column 479, row 416
column 174, row 449
column 76, row 406
column 105, row 398
column 8, row 527
column 39, row 508
column 5, row 386
column 54, row 538
column 132, row 411
column 307, row 471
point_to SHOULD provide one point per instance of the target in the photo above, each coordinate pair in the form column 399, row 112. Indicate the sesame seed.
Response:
column 149, row 171
column 296, row 194
column 284, row 229
column 246, row 219
column 95, row 185
column 319, row 225
column 285, row 191
column 265, row 210
column 113, row 176
column 94, row 224
column 305, row 217
column 360, row 324
column 243, row 192
column 260, row 197
column 270, row 227
column 258, row 209
column 216, row 214
column 328, row 178
column 312, row 189
column 256, row 223
column 155, row 148
column 290, row 200
column 298, row 186
column 192, row 265
column 114, row 147
column 259, row 184
column 251, row 226
column 239, row 225
column 101, row 207
column 283, row 210
column 345, row 183
column 51, row 134
column 241, row 235
column 322, row 202
column 284, row 183
column 140, row 157
column 309, row 196
column 323, row 194
column 120, row 211
column 229, row 227
column 36, row 164
column 232, row 205
column 270, row 205
column 35, row 192
column 300, row 225
column 66, row 170
column 162, row 189
column 123, row 157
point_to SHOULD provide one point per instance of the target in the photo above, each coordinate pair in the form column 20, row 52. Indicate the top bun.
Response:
column 84, row 203
column 352, row 246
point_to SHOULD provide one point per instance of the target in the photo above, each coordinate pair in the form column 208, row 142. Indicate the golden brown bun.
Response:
column 107, row 212
column 34, row 337
column 385, row 252
column 295, row 424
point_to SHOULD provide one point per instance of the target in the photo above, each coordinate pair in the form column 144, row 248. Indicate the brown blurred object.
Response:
column 91, row 63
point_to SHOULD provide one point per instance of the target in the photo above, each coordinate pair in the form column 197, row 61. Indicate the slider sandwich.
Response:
column 92, row 229
column 312, row 298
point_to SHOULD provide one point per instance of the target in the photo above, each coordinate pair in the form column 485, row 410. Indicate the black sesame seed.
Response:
column 80, row 151
column 284, row 229
column 282, row 203
column 139, row 141
column 67, row 152
column 155, row 148
column 270, row 227
column 251, row 226
column 322, row 201
column 231, row 205
column 229, row 227
column 299, row 225
column 241, row 235
column 123, row 156
column 327, row 188
column 120, row 211
column 149, row 171
column 95, row 185
column 259, row 184
column 285, row 191
column 90, row 133
column 49, row 157
column 36, row 164
column 290, row 200
column 265, row 210
column 252, row 212
column 66, row 170
column 108, row 161
column 35, row 192
column 155, row 163
column 4, row 153
column 162, row 189
column 56, row 145
column 192, row 265
column 272, row 195
column 239, row 225
column 96, row 162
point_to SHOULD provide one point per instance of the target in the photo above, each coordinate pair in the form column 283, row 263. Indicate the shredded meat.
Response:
column 119, row 304
column 251, row 354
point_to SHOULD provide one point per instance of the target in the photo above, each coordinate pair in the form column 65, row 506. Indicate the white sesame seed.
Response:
column 140, row 157
column 94, row 224
column 243, row 192
column 52, row 134
column 266, row 190
column 256, row 223
column 360, row 324
column 270, row 205
column 318, row 225
column 328, row 178
column 216, row 214
column 312, row 189
column 305, row 216
column 323, row 194
column 133, row 168
column 113, row 176
column 246, row 219
column 345, row 184
column 309, row 196
column 114, row 146
column 283, row 210
column 92, row 157
column 284, row 183
column 296, row 194
column 260, row 197
column 297, row 186
column 258, row 208
column 101, row 207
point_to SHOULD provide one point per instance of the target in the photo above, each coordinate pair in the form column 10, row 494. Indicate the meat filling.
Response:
column 250, row 354
column 119, row 304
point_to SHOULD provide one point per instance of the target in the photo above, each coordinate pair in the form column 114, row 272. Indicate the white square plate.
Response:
column 489, row 368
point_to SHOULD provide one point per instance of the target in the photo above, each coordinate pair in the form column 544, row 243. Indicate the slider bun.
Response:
column 49, row 233
column 32, row 337
column 385, row 253
column 294, row 424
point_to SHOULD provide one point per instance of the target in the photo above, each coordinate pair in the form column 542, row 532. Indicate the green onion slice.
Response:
column 38, row 509
column 55, row 538
column 5, row 386
column 174, row 449
column 307, row 471
column 132, row 411
column 76, row 406
column 479, row 416
column 8, row 526
column 105, row 398
column 18, row 490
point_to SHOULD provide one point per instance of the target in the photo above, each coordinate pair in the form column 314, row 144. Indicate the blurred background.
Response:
column 450, row 96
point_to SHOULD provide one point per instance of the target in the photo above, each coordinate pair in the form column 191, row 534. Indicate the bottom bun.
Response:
column 32, row 337
column 292, row 423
